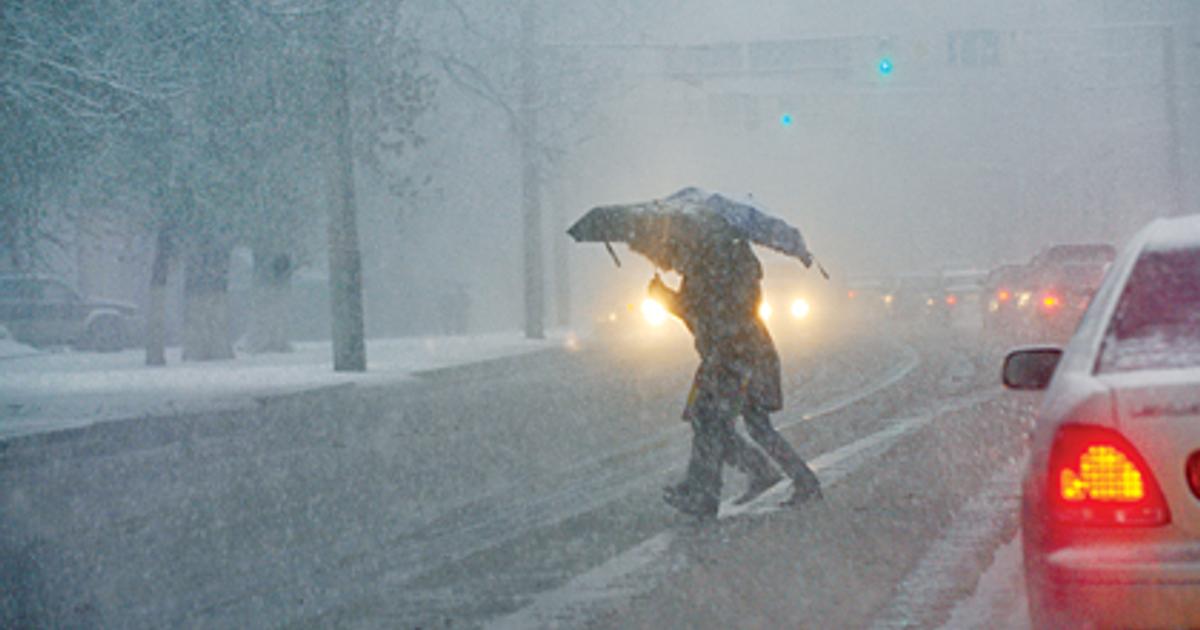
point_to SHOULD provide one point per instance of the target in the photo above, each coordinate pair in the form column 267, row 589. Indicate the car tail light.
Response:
column 1003, row 295
column 951, row 300
column 1098, row 478
column 1193, row 473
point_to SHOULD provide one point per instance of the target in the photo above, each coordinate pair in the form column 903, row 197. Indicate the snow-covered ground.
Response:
column 47, row 391
column 10, row 349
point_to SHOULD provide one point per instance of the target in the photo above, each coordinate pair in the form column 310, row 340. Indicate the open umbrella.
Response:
column 692, row 213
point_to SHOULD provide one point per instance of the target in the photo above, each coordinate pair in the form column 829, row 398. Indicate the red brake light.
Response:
column 1098, row 478
column 951, row 299
column 1193, row 473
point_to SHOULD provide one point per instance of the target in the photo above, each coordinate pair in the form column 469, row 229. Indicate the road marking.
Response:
column 589, row 484
column 638, row 569
column 910, row 363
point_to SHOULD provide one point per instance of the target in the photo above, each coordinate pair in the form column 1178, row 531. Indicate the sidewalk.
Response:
column 50, row 391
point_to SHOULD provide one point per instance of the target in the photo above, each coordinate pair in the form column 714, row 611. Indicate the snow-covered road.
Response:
column 480, row 495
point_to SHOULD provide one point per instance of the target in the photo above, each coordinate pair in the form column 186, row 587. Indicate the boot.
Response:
column 803, row 493
column 698, row 504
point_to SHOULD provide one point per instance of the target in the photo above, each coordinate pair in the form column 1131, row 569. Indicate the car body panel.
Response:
column 1132, row 575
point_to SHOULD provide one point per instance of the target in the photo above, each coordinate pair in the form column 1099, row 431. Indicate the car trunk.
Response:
column 1159, row 412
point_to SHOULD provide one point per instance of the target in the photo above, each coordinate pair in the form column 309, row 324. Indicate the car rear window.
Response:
column 1157, row 321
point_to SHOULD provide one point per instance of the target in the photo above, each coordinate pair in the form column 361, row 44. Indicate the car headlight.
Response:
column 656, row 314
column 800, row 308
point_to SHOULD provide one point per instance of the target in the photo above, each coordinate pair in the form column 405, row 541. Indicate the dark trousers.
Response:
column 758, row 425
column 710, row 438
column 714, row 442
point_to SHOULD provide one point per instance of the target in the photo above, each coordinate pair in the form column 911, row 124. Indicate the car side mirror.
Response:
column 1031, row 368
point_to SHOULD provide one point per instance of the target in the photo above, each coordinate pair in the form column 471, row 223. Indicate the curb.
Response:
column 156, row 429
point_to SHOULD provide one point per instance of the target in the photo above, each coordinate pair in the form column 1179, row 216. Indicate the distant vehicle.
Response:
column 42, row 310
column 961, row 293
column 1060, row 281
column 1001, row 302
column 1110, row 508
column 917, row 297
column 797, row 299
column 865, row 297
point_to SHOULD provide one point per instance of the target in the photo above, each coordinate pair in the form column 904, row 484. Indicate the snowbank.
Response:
column 10, row 349
column 48, row 391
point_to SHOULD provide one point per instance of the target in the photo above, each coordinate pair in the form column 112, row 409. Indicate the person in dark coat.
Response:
column 739, row 372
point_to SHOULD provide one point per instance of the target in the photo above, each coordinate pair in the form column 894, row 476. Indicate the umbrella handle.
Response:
column 612, row 253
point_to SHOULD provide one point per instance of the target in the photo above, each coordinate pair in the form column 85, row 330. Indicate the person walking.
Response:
column 739, row 372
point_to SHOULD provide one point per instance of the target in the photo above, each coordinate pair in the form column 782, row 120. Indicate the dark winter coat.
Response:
column 718, row 299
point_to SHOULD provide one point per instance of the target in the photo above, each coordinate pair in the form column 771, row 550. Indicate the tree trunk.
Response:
column 206, row 301
column 269, row 315
column 562, row 263
column 345, row 259
column 156, row 318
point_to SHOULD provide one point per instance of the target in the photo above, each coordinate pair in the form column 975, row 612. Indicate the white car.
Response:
column 1111, row 497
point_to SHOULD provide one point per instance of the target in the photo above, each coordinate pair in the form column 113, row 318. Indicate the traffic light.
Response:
column 786, row 120
column 884, row 48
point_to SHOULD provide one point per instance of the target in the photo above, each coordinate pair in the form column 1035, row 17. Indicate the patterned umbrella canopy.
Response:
column 689, row 215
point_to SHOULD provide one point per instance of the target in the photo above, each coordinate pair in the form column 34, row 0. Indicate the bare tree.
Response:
column 543, row 89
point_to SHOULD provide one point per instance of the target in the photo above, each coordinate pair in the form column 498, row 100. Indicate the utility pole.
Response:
column 1171, row 104
column 530, row 194
column 345, row 260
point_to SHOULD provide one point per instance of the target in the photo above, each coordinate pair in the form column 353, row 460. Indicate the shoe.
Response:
column 683, row 498
column 803, row 494
column 758, row 486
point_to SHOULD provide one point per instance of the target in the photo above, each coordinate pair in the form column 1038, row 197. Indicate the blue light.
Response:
column 786, row 120
column 885, row 66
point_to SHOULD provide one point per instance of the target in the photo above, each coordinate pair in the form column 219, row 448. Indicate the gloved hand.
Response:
column 657, row 287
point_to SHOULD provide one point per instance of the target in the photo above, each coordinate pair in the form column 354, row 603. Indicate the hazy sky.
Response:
column 1002, row 127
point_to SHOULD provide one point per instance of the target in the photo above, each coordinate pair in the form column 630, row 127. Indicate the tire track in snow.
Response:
column 950, row 568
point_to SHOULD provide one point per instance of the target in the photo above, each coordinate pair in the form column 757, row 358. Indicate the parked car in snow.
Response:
column 1111, row 495
column 42, row 310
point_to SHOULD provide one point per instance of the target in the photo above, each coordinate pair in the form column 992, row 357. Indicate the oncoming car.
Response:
column 782, row 306
column 1111, row 495
column 785, row 307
